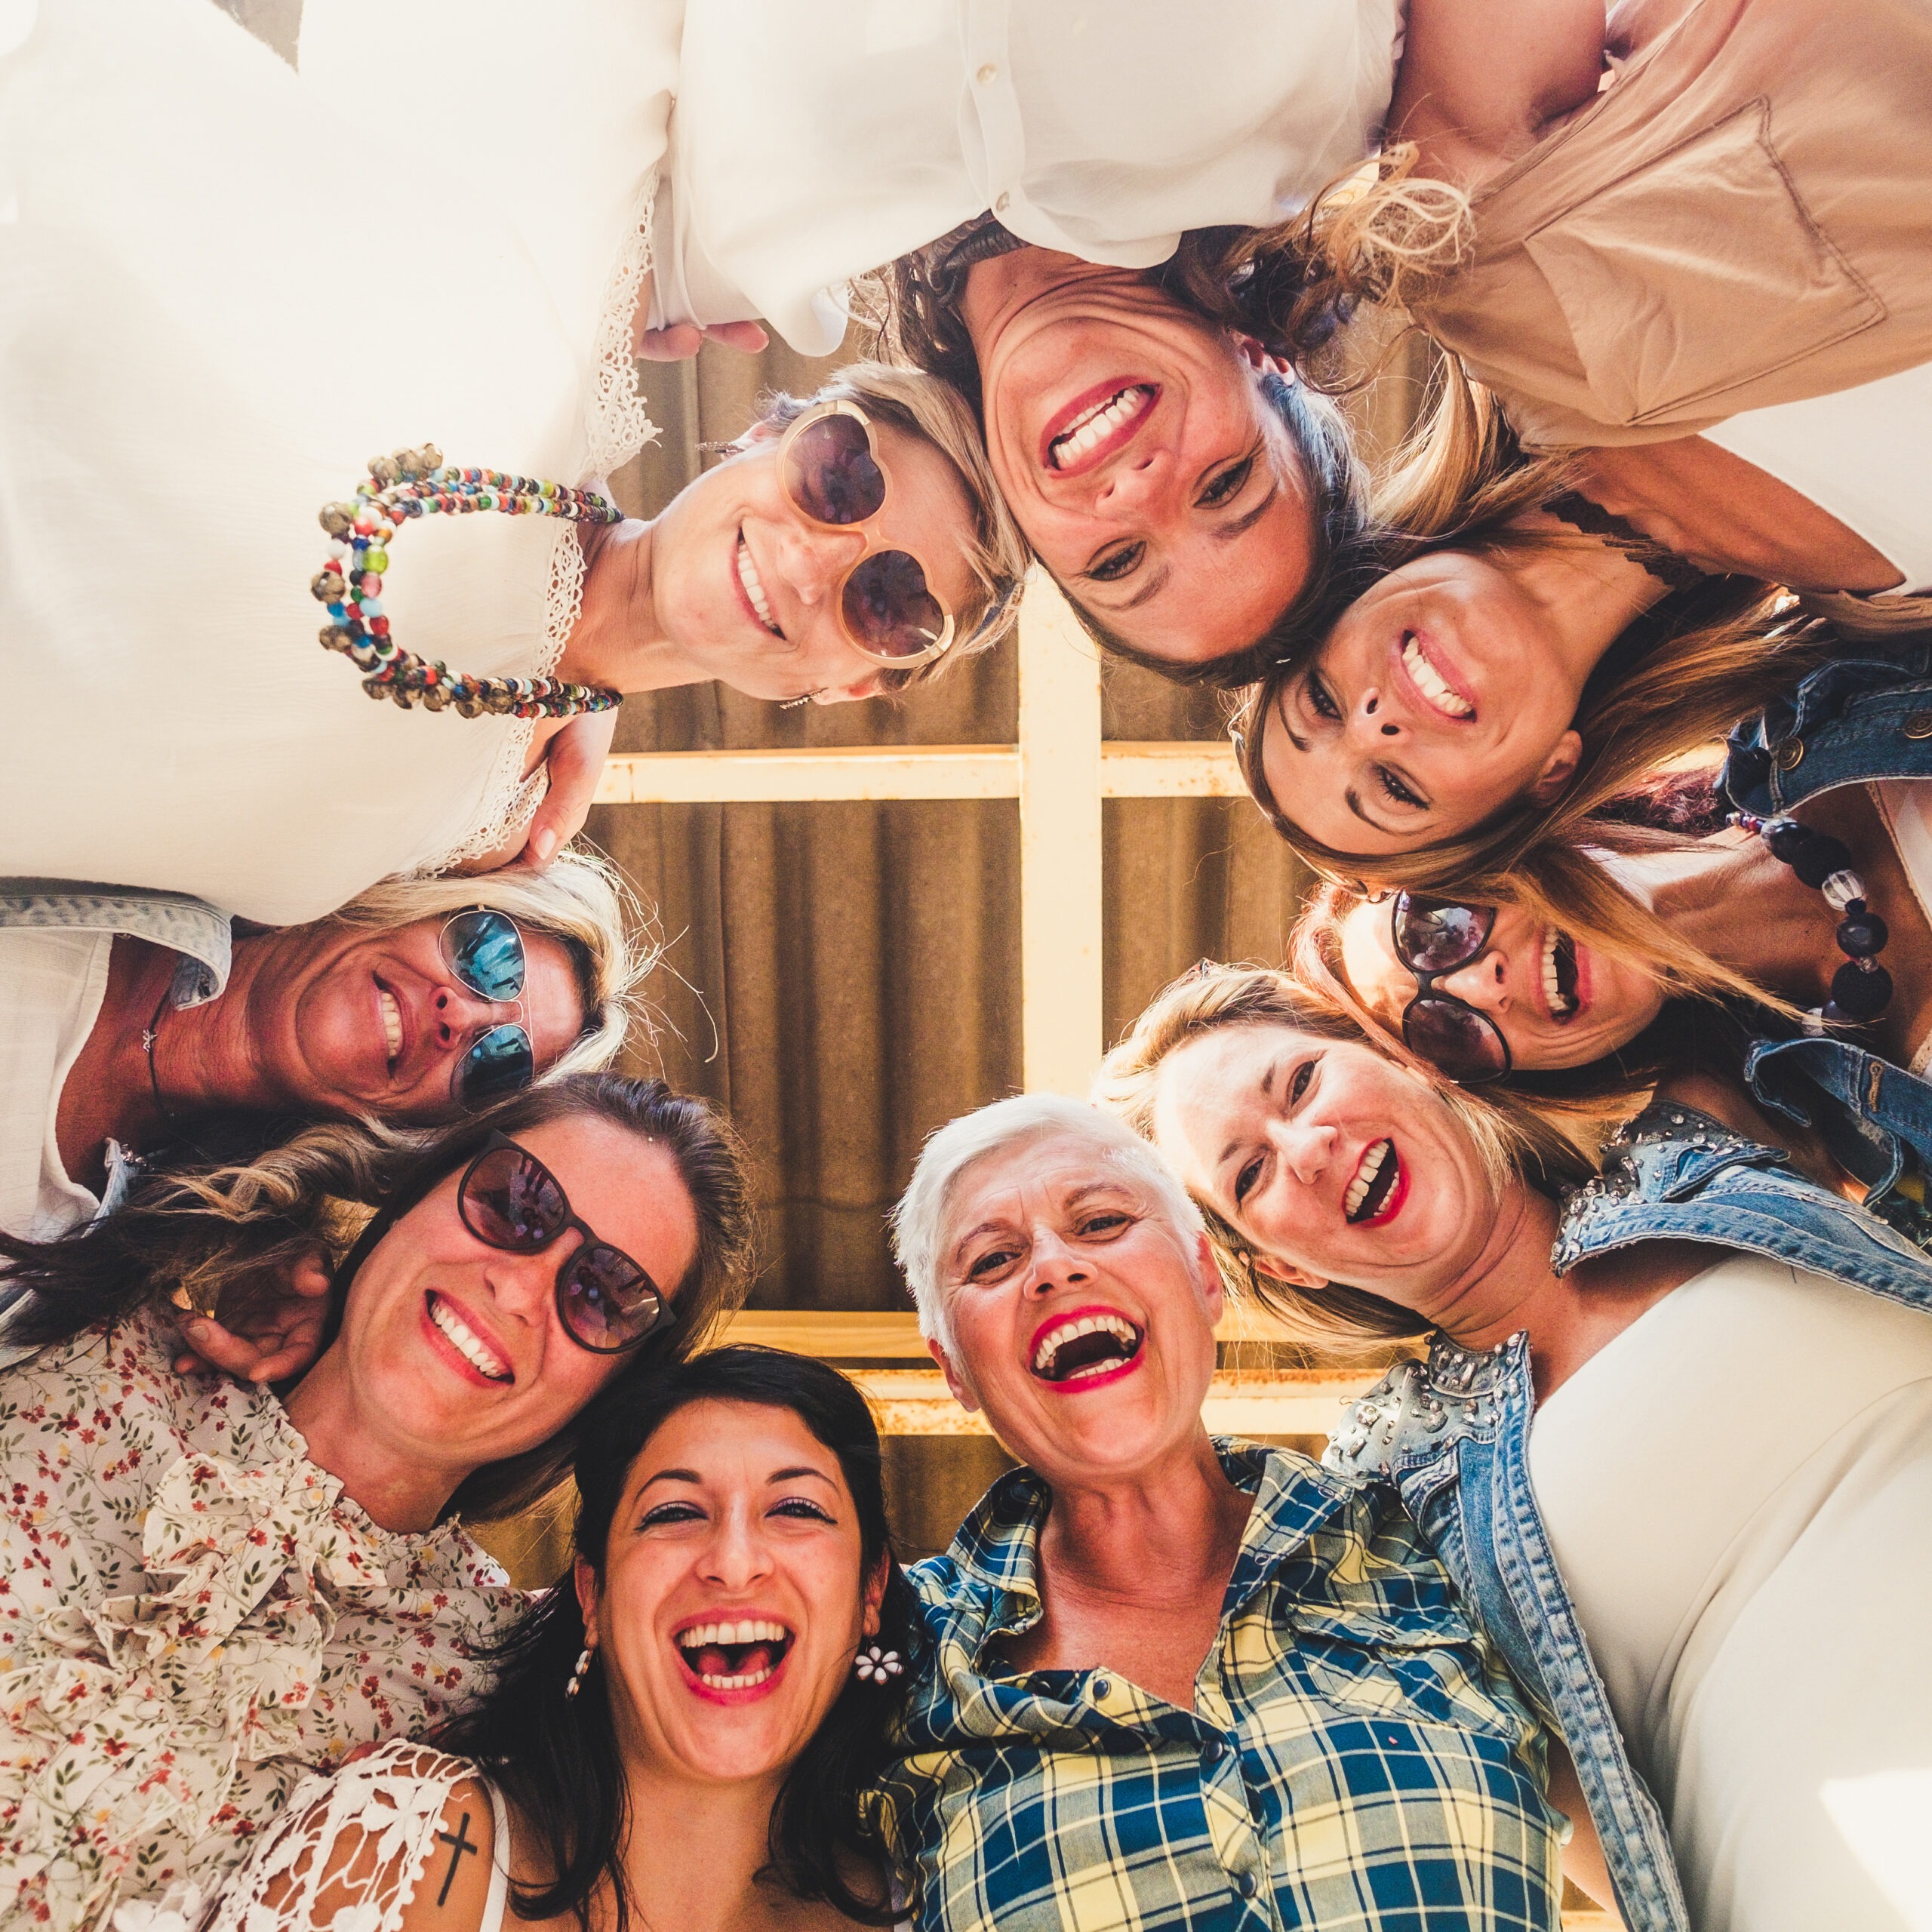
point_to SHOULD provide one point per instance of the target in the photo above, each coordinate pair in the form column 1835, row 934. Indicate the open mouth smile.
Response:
column 390, row 1007
column 1379, row 1187
column 1432, row 683
column 1560, row 990
column 727, row 1655
column 1085, row 1348
column 1098, row 425
column 756, row 601
column 477, row 1352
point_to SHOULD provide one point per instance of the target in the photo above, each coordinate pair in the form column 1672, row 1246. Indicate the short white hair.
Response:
column 919, row 1221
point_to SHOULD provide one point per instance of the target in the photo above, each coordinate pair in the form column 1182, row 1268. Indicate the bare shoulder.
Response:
column 400, row 1840
column 1480, row 79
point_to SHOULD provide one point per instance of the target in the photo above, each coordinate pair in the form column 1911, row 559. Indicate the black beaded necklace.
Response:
column 1861, row 988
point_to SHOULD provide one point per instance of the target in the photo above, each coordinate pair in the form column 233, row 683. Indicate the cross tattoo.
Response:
column 458, row 1841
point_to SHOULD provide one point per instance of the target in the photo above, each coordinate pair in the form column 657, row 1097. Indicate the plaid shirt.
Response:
column 1357, row 1758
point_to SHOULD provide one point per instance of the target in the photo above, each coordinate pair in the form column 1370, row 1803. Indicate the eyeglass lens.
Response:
column 485, row 950
column 832, row 476
column 1462, row 1042
column 1437, row 935
column 509, row 1199
column 502, row 1062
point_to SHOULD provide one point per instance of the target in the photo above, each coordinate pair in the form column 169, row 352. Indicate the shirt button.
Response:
column 987, row 75
column 1102, row 1686
column 1244, row 1884
column 1919, row 724
column 1002, row 203
column 1213, row 1752
column 1790, row 755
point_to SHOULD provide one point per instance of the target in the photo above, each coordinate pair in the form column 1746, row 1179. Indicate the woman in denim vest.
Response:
column 1657, row 1430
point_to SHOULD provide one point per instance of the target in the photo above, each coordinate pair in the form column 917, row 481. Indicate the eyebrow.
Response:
column 1267, row 1089
column 801, row 1469
column 1240, row 525
column 1280, row 710
column 1147, row 591
column 1375, row 824
column 673, row 1475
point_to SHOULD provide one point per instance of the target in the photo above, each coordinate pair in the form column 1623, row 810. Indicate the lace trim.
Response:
column 618, row 427
column 389, row 1803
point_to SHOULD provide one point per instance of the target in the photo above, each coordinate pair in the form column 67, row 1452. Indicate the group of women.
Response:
column 1594, row 1084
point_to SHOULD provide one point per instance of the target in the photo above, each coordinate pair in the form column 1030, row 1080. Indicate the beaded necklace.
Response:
column 416, row 483
column 1861, row 988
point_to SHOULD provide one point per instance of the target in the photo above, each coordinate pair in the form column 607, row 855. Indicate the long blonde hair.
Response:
column 1510, row 1139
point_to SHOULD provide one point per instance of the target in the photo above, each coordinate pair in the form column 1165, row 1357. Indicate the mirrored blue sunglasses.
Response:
column 485, row 950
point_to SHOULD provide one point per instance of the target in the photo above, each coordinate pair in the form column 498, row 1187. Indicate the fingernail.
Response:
column 195, row 1325
column 543, row 844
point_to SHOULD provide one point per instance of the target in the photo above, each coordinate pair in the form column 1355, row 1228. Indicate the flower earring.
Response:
column 583, row 1657
column 876, row 1665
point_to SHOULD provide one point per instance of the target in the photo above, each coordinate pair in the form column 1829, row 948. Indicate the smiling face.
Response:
column 1435, row 701
column 1557, row 1001
column 1148, row 470
column 1331, row 1161
column 1082, row 1322
column 749, row 587
column 732, row 1600
column 452, row 1352
column 351, row 1022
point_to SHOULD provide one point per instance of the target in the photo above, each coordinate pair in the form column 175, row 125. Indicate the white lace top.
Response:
column 319, row 1849
column 192, row 1616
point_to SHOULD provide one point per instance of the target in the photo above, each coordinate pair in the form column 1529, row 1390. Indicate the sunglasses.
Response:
column 484, row 951
column 1433, row 938
column 833, row 475
column 509, row 1200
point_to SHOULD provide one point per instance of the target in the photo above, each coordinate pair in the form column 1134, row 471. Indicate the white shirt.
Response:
column 1739, row 1492
column 1865, row 455
column 814, row 140
column 52, row 986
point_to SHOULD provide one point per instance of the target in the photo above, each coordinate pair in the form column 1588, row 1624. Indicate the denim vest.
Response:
column 1862, row 717
column 1452, row 1435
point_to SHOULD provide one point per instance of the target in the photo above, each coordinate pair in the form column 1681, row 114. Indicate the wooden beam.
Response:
column 1130, row 768
column 892, row 1335
column 1060, row 845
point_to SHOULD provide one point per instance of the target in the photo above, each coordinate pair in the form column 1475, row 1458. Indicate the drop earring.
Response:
column 583, row 1657
column 876, row 1665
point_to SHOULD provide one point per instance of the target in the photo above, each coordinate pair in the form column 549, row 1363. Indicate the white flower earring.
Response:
column 876, row 1665
column 583, row 1657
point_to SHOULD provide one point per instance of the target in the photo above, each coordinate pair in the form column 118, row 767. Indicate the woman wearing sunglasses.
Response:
column 215, row 748
column 130, row 1021
column 681, row 1732
column 212, row 1589
column 1658, row 1428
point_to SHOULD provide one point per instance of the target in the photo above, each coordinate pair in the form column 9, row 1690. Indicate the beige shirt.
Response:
column 1742, row 218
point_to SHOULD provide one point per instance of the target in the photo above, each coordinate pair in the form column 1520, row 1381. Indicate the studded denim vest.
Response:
column 203, row 937
column 1452, row 1435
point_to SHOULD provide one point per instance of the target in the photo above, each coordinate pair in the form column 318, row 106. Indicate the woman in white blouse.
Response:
column 680, row 1739
column 210, row 1590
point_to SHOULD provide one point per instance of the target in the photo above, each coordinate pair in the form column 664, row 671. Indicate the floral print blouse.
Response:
column 192, row 1616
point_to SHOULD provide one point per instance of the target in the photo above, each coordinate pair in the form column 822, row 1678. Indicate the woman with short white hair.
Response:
column 1168, row 1672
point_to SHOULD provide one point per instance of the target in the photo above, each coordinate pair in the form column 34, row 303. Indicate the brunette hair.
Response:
column 995, row 551
column 557, row 1759
column 913, row 306
column 1680, row 675
column 203, row 1230
column 1510, row 1138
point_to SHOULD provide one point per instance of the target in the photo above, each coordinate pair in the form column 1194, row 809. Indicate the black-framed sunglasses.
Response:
column 1434, row 937
column 485, row 951
column 509, row 1200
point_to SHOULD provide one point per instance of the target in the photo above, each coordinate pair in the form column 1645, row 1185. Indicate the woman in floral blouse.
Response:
column 206, row 1589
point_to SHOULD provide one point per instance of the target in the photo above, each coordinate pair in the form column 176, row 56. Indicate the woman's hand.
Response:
column 575, row 757
column 261, row 1335
column 682, row 340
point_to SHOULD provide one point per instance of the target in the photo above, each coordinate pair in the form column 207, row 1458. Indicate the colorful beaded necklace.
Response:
column 416, row 483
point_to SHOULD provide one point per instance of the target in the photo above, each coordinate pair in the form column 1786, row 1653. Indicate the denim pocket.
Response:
column 1434, row 1678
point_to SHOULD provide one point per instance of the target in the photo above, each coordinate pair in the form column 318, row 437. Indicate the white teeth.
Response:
column 1056, row 1339
column 392, row 1022
column 755, row 590
column 469, row 1344
column 1098, row 423
column 1365, row 1174
column 749, row 1630
column 1428, row 681
column 1553, row 990
column 744, row 1682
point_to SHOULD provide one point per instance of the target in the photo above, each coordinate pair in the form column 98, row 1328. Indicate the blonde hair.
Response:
column 996, row 552
column 580, row 899
column 1681, row 675
column 1511, row 1140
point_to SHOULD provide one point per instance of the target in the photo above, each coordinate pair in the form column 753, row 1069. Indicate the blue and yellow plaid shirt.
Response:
column 1357, row 1758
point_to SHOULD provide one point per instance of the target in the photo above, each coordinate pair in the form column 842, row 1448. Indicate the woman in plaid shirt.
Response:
column 1171, row 1680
